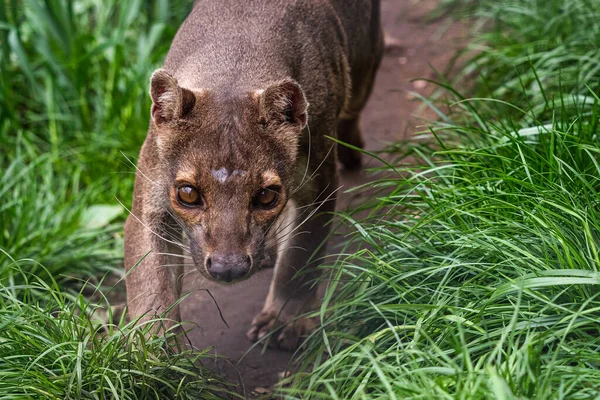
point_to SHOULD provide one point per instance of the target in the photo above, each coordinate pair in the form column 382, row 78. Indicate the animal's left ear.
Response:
column 284, row 103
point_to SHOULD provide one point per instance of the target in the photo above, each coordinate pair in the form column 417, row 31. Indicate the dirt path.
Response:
column 412, row 46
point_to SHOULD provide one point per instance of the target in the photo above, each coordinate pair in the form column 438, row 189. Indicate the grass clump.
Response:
column 48, row 217
column 545, row 46
column 478, row 276
column 56, row 346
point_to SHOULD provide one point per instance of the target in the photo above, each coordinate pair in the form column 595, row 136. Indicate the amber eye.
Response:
column 189, row 196
column 267, row 197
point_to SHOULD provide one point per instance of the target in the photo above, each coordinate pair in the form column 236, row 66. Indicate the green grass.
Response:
column 57, row 346
column 74, row 81
column 478, row 270
column 532, row 44
column 74, row 111
column 48, row 217
column 479, row 275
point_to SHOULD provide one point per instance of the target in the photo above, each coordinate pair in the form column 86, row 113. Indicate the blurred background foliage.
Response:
column 74, row 111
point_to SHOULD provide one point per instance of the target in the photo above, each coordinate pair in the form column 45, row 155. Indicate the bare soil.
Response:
column 413, row 45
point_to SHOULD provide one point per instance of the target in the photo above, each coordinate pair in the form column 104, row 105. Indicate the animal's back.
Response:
column 239, row 45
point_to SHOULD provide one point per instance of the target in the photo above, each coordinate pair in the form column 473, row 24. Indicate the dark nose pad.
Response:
column 228, row 267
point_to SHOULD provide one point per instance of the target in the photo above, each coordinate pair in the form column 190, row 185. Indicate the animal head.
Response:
column 230, row 160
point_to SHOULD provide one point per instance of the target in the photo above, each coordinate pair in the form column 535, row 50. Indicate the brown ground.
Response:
column 412, row 46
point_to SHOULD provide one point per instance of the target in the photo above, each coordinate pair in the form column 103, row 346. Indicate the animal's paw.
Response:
column 288, row 330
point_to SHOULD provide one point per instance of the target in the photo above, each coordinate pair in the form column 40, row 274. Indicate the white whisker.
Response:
column 180, row 245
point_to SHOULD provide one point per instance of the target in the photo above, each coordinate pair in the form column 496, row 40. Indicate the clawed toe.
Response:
column 290, row 332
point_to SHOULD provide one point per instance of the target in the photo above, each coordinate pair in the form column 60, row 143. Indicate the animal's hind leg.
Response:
column 349, row 132
column 348, row 129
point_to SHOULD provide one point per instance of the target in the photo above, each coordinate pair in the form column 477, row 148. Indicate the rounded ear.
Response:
column 169, row 100
column 284, row 103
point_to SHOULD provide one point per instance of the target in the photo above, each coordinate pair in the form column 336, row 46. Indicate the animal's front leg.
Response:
column 293, row 291
column 154, row 281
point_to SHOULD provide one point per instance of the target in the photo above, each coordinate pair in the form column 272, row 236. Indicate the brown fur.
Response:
column 248, row 92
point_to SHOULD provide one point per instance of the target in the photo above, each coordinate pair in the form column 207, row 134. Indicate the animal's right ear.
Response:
column 169, row 100
column 284, row 103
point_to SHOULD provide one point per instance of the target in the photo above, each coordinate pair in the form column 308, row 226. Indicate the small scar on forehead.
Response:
column 222, row 174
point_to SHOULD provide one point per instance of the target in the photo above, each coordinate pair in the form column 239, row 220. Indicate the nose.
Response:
column 228, row 267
